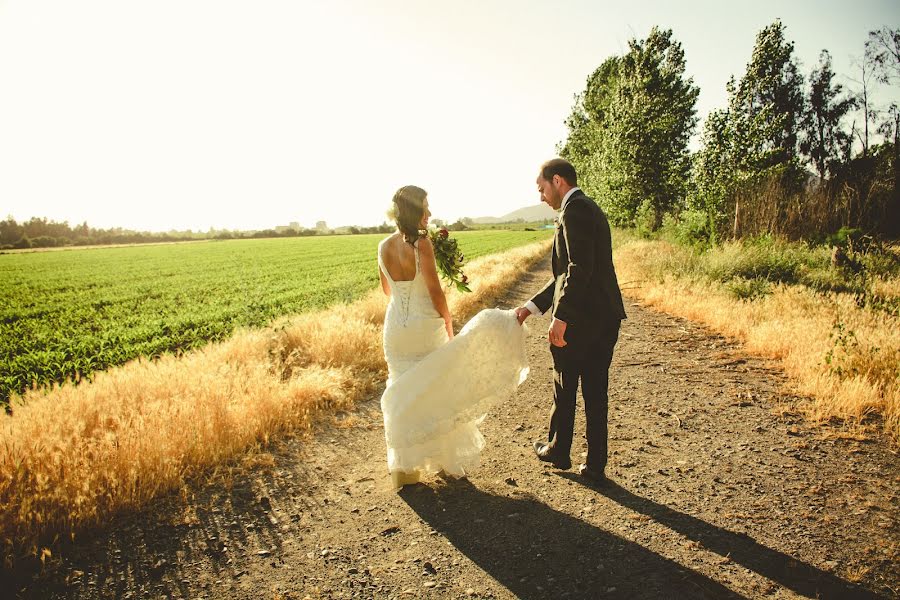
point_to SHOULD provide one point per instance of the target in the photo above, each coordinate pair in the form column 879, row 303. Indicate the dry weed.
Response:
column 72, row 455
column 857, row 573
column 843, row 356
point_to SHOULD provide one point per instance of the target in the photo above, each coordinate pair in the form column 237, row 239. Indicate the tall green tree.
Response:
column 756, row 137
column 629, row 129
column 585, row 144
column 651, row 120
column 714, row 170
column 824, row 140
column 766, row 106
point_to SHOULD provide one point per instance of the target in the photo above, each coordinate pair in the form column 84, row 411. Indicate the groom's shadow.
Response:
column 537, row 552
column 784, row 569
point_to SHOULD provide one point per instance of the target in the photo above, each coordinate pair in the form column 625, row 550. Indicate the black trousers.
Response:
column 585, row 357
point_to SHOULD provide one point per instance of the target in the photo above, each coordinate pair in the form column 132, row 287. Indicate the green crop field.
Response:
column 68, row 314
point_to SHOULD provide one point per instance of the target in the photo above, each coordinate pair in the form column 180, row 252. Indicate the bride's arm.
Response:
column 385, row 286
column 433, row 282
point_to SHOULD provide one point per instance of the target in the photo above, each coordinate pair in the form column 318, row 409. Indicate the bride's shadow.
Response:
column 537, row 552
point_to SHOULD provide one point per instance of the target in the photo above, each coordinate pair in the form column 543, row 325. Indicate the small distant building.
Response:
column 321, row 226
column 294, row 225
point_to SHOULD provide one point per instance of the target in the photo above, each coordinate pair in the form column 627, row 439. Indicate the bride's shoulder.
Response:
column 388, row 240
column 424, row 243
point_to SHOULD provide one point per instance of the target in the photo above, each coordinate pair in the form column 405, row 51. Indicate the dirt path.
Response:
column 715, row 495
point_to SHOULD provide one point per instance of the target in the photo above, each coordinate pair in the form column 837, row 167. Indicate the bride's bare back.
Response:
column 399, row 258
column 398, row 263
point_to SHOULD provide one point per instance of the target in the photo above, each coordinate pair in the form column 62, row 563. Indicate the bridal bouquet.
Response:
column 449, row 258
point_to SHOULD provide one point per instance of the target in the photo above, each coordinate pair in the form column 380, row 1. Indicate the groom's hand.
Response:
column 522, row 313
column 557, row 332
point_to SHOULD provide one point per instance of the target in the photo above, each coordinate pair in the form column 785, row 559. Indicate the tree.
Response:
column 883, row 52
column 585, row 144
column 824, row 141
column 10, row 231
column 863, row 100
column 766, row 106
column 714, row 170
column 651, row 119
column 755, row 140
column 629, row 130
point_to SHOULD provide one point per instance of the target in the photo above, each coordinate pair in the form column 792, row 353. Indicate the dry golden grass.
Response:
column 793, row 325
column 73, row 455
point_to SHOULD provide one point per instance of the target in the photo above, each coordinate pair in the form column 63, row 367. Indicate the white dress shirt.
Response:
column 531, row 306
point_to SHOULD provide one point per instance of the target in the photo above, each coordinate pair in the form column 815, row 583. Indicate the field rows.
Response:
column 69, row 314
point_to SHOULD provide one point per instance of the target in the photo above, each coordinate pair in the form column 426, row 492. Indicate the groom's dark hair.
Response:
column 561, row 167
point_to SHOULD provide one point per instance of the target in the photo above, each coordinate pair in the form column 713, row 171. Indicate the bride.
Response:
column 439, row 387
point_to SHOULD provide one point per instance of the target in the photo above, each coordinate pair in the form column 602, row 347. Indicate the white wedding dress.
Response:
column 438, row 392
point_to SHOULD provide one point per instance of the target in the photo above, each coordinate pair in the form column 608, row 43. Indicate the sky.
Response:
column 226, row 114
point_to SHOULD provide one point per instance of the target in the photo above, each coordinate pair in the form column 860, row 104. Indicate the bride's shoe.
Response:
column 401, row 478
column 448, row 477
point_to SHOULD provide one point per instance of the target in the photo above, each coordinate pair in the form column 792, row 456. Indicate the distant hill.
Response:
column 528, row 214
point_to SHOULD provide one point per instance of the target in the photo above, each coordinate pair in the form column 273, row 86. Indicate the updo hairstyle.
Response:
column 407, row 211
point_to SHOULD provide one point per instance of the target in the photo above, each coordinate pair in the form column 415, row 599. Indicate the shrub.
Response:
column 884, row 262
column 844, row 237
column 748, row 289
column 46, row 241
column 767, row 258
column 645, row 220
column 691, row 228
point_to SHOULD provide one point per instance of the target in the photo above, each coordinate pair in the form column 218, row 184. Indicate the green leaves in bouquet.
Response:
column 449, row 258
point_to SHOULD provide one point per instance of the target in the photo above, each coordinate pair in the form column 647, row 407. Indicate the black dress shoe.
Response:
column 546, row 454
column 593, row 475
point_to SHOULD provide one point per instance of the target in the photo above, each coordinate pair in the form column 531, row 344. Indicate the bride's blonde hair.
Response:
column 407, row 211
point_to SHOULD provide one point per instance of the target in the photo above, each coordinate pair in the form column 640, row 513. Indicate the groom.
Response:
column 587, row 310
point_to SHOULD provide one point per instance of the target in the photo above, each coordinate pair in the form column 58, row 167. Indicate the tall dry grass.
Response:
column 844, row 356
column 72, row 456
column 783, row 203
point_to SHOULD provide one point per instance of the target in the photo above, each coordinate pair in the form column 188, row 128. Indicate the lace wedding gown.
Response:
column 438, row 392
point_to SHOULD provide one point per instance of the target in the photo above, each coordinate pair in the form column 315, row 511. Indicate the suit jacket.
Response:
column 584, row 291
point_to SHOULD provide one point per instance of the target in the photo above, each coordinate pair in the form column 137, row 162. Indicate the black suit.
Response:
column 585, row 294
